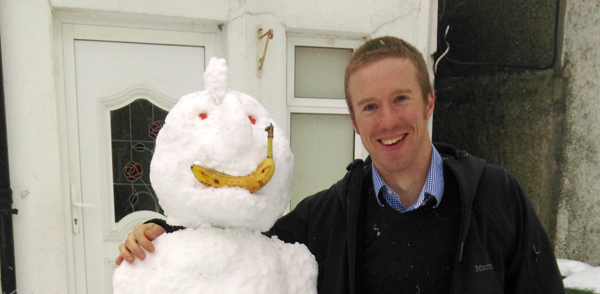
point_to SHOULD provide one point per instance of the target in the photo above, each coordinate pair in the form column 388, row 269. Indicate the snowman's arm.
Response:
column 301, row 267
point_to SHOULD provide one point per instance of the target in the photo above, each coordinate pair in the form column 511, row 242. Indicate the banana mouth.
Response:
column 252, row 182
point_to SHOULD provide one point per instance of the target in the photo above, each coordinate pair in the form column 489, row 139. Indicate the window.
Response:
column 319, row 72
column 320, row 130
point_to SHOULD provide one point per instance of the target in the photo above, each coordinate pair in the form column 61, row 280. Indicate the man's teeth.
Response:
column 392, row 141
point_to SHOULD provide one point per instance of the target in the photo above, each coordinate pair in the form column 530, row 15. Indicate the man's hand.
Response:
column 142, row 235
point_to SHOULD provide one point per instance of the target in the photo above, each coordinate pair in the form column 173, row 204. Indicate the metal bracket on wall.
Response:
column 269, row 33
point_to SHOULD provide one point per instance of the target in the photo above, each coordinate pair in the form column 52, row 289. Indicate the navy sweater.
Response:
column 411, row 252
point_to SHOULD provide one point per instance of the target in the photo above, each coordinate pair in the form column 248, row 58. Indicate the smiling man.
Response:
column 413, row 217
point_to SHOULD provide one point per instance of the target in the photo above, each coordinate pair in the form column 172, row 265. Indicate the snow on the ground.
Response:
column 568, row 267
column 585, row 280
column 579, row 275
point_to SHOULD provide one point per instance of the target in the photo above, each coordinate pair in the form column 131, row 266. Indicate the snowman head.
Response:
column 224, row 131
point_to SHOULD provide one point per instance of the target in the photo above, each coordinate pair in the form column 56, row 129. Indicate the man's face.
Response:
column 390, row 114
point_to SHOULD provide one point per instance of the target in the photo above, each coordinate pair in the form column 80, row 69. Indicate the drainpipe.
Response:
column 7, row 244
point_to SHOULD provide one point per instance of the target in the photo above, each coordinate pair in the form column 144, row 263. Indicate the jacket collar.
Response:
column 466, row 167
column 468, row 170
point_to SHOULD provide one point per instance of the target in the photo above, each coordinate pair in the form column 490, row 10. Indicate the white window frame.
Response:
column 318, row 105
column 293, row 42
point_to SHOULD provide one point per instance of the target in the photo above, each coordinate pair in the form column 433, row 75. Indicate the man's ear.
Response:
column 354, row 127
column 353, row 122
column 430, row 104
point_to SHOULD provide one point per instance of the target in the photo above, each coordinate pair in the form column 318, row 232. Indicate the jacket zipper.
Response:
column 463, row 229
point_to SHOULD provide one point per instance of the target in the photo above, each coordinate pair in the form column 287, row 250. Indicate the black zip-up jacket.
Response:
column 502, row 248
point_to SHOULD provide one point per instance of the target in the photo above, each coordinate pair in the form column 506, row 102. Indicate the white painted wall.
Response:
column 578, row 226
column 33, row 146
column 36, row 138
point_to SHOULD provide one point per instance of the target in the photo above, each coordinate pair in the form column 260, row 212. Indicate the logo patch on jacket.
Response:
column 483, row 267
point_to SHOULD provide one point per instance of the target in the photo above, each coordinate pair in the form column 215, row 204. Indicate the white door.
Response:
column 123, row 85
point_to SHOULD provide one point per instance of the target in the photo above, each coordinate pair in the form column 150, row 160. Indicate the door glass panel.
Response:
column 323, row 145
column 133, row 133
column 319, row 72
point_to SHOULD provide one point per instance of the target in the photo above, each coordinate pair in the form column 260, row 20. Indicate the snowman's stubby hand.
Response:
column 142, row 235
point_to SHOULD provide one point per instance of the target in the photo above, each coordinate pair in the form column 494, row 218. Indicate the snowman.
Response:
column 222, row 169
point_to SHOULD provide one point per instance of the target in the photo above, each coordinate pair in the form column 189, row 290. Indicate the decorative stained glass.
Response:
column 133, row 134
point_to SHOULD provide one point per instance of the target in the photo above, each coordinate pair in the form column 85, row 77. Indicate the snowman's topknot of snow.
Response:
column 215, row 78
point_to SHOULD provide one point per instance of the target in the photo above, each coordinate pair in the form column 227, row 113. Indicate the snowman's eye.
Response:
column 252, row 119
column 202, row 115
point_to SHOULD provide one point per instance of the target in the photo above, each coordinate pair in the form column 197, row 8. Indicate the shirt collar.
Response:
column 434, row 185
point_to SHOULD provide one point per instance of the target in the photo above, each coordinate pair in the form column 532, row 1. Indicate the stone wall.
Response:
column 578, row 231
column 542, row 125
column 500, row 92
column 514, row 120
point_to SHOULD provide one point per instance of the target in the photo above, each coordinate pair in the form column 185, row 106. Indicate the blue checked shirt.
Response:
column 434, row 186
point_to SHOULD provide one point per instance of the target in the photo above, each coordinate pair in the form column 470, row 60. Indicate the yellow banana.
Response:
column 252, row 182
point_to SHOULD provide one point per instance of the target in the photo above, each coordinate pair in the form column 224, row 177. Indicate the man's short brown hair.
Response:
column 383, row 47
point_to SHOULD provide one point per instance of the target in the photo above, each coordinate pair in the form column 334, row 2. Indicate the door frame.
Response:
column 69, row 26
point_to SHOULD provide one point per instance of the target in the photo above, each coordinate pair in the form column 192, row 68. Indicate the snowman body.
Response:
column 219, row 261
column 221, row 250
